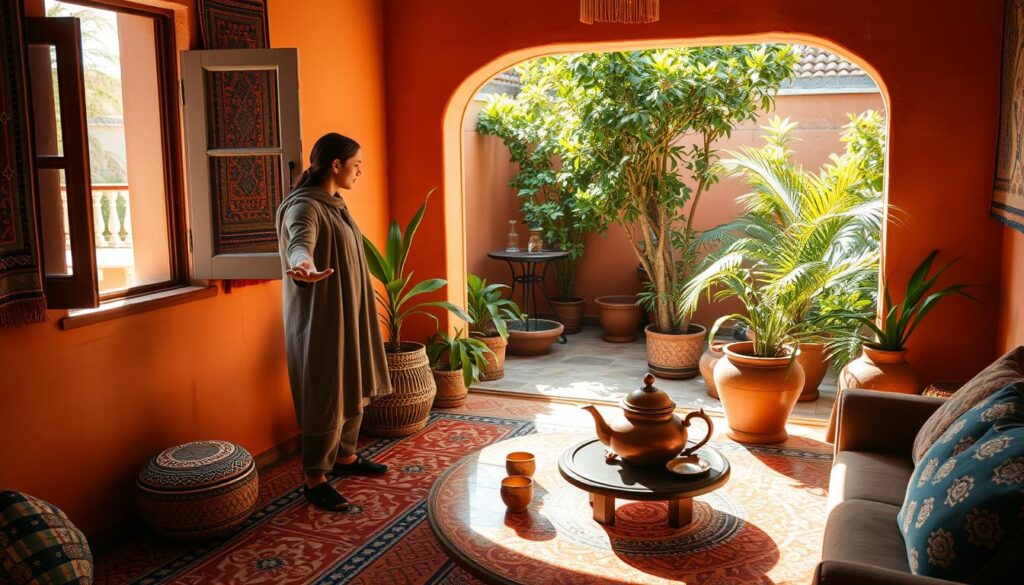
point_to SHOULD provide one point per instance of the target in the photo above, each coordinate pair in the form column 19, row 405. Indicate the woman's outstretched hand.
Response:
column 305, row 272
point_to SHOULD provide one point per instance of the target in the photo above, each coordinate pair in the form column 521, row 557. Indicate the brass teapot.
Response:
column 649, row 433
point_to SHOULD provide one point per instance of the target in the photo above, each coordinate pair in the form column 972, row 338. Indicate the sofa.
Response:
column 880, row 437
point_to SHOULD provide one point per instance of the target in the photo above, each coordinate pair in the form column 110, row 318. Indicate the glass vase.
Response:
column 512, row 239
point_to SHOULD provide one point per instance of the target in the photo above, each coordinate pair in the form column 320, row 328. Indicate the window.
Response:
column 107, row 151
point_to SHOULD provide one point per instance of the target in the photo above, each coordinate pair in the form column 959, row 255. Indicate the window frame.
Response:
column 165, row 47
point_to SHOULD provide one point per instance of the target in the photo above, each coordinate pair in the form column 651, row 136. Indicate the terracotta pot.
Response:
column 812, row 360
column 674, row 356
column 879, row 369
column 495, row 368
column 405, row 410
column 451, row 390
column 757, row 393
column 534, row 341
column 569, row 312
column 620, row 317
column 707, row 365
column 517, row 492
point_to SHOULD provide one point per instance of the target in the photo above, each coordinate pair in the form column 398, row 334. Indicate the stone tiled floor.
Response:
column 588, row 368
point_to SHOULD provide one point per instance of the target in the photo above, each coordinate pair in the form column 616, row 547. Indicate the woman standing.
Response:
column 336, row 360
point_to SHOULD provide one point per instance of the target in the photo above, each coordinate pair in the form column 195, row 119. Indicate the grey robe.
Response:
column 335, row 351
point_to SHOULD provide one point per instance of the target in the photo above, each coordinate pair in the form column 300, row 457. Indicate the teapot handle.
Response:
column 711, row 429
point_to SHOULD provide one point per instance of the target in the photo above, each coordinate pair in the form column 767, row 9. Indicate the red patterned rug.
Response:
column 767, row 519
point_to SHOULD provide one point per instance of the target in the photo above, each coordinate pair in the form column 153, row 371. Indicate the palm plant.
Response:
column 457, row 352
column 397, row 300
column 807, row 239
column 488, row 310
column 899, row 320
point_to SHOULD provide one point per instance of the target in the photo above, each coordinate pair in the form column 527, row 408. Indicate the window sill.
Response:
column 131, row 306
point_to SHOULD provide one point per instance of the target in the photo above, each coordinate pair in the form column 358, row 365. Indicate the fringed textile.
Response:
column 623, row 11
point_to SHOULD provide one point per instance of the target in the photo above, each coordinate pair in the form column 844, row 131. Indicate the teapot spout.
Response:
column 604, row 432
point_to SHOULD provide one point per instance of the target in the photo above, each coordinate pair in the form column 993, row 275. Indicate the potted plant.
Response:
column 530, row 336
column 620, row 317
column 456, row 363
column 758, row 381
column 883, row 364
column 489, row 314
column 406, row 409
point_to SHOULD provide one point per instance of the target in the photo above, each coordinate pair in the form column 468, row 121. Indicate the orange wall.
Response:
column 1011, row 322
column 83, row 409
column 609, row 264
column 938, row 68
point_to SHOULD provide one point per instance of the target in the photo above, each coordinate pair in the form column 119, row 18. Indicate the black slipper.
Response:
column 359, row 467
column 325, row 497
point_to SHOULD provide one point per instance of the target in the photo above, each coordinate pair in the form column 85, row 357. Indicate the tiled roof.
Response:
column 816, row 62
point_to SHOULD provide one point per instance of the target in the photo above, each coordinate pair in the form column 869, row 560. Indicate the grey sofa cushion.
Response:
column 876, row 477
column 859, row 531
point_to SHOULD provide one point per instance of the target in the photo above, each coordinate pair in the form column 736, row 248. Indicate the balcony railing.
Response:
column 111, row 215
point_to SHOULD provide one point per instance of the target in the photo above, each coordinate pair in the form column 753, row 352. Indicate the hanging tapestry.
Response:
column 21, row 280
column 1008, row 195
column 234, row 24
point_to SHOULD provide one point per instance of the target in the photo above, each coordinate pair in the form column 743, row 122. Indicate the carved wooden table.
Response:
column 555, row 540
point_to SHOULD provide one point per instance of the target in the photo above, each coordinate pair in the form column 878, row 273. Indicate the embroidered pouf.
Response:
column 39, row 544
column 198, row 490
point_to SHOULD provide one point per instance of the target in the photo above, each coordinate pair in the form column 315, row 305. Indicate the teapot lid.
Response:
column 648, row 400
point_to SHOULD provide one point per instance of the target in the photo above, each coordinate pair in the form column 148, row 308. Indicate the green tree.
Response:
column 615, row 122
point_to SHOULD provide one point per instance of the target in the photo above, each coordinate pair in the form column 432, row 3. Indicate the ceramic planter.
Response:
column 707, row 366
column 534, row 337
column 451, row 389
column 878, row 369
column 495, row 368
column 569, row 312
column 675, row 356
column 620, row 317
column 405, row 410
column 757, row 393
column 812, row 360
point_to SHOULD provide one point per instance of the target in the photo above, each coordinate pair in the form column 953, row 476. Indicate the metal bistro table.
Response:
column 532, row 269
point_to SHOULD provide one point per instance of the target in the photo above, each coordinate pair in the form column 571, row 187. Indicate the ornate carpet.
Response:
column 764, row 526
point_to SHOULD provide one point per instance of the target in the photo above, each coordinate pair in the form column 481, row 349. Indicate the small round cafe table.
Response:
column 529, row 270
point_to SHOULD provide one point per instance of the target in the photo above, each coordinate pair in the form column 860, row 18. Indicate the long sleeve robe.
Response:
column 335, row 350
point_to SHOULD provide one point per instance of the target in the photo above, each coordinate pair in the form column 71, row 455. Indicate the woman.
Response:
column 336, row 359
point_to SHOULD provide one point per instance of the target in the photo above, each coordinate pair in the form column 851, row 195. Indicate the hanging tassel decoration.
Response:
column 624, row 11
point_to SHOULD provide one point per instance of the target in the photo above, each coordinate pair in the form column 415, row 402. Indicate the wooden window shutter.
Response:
column 242, row 148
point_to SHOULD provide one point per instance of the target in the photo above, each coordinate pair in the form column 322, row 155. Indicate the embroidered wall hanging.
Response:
column 234, row 24
column 21, row 281
column 1008, row 193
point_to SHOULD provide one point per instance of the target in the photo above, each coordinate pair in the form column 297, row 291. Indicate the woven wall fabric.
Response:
column 1008, row 194
column 234, row 24
column 21, row 280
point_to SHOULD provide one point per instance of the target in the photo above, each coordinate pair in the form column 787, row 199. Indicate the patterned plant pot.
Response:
column 451, row 389
column 198, row 490
column 757, row 393
column 569, row 312
column 405, row 410
column 495, row 368
column 675, row 356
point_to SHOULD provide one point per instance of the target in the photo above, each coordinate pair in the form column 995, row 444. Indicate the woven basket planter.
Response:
column 495, row 368
column 405, row 410
column 451, row 390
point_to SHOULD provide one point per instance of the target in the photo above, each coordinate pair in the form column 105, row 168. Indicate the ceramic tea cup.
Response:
column 517, row 492
column 520, row 463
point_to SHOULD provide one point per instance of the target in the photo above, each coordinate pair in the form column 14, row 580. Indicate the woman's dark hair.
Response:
column 330, row 147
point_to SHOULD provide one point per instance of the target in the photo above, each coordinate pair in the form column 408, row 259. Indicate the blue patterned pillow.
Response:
column 39, row 545
column 963, row 514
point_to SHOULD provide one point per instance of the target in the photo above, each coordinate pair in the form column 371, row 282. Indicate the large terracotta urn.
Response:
column 495, row 367
column 674, row 356
column 569, row 312
column 620, row 317
column 812, row 359
column 757, row 393
column 879, row 369
column 406, row 409
column 707, row 365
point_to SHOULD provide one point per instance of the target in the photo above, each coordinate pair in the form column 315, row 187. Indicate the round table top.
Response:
column 556, row 540
column 584, row 465
column 545, row 256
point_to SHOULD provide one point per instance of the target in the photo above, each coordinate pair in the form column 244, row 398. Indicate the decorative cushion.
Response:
column 962, row 516
column 198, row 490
column 39, row 544
column 1006, row 370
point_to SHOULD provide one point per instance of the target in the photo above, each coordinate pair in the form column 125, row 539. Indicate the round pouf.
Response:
column 198, row 490
column 39, row 544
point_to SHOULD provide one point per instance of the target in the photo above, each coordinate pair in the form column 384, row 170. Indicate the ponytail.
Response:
column 328, row 148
